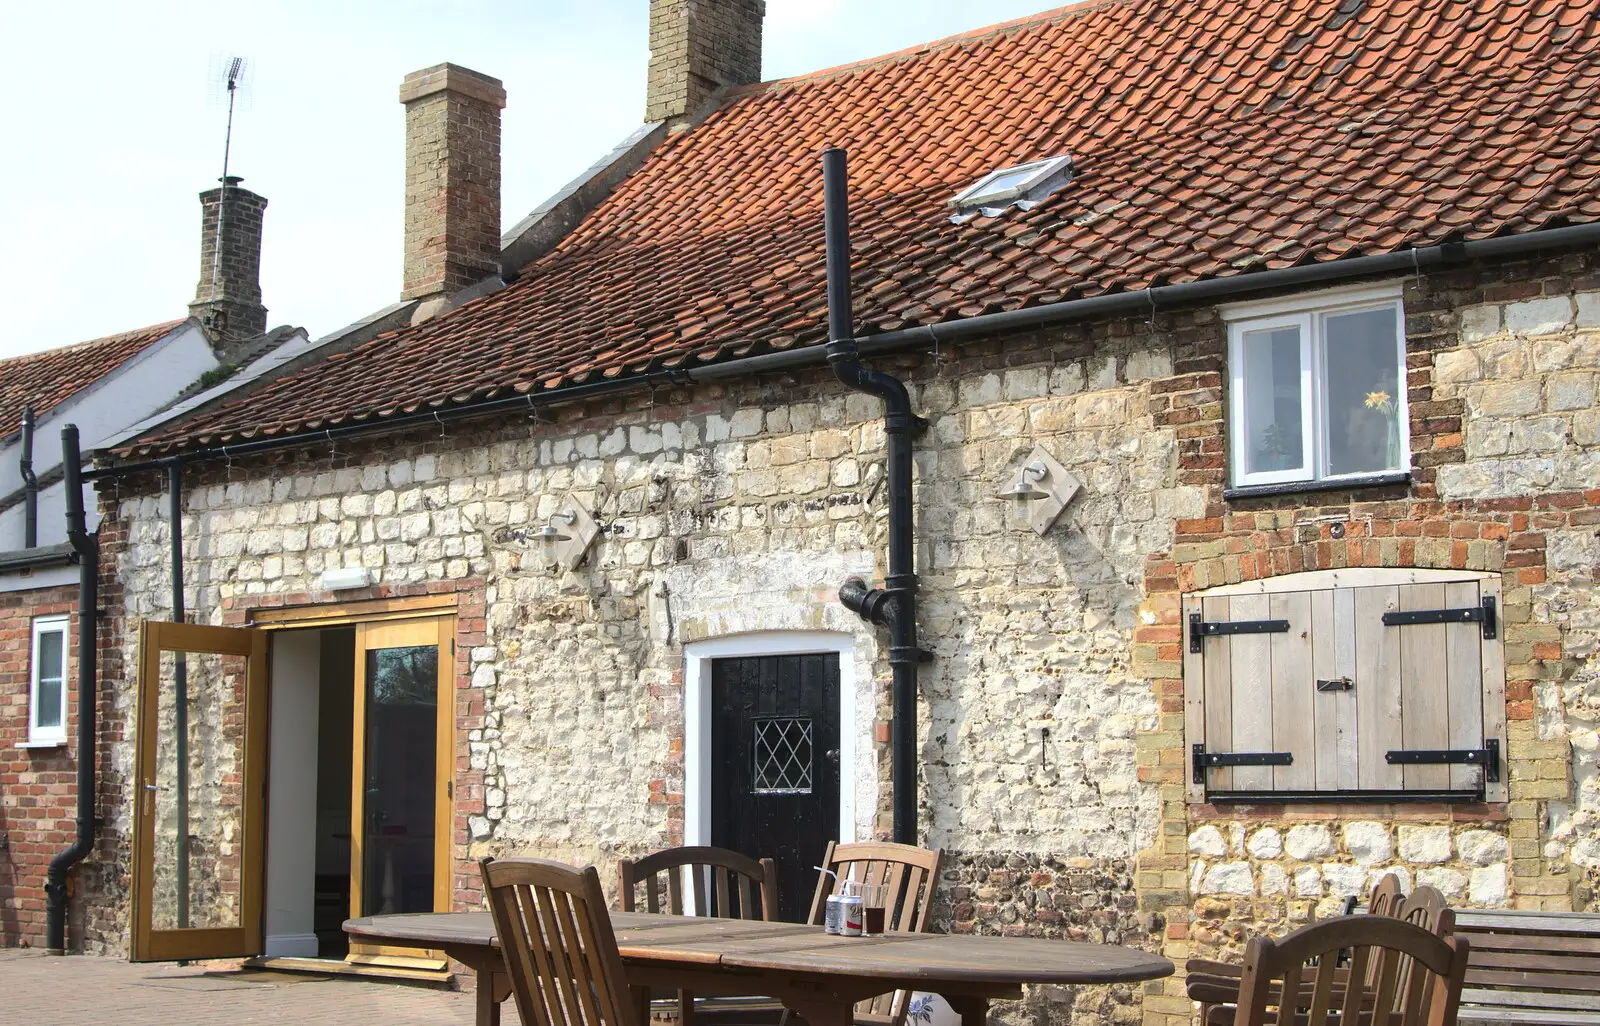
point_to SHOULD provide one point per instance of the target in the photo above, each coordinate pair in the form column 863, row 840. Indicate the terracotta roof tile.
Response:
column 45, row 379
column 1207, row 138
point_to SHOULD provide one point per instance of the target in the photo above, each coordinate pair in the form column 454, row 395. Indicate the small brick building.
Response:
column 1313, row 328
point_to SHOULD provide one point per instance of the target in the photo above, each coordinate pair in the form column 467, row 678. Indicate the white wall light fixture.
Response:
column 1042, row 487
column 567, row 535
column 346, row 578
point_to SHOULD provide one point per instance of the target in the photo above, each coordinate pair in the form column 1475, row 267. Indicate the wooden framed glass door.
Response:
column 199, row 785
column 403, row 766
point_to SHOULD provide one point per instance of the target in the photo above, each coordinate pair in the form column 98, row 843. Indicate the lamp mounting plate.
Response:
column 1041, row 511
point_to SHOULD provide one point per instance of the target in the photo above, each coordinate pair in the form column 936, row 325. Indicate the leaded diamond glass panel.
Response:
column 783, row 755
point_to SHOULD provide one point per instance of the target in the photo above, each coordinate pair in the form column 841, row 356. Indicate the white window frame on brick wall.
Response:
column 47, row 736
column 1308, row 314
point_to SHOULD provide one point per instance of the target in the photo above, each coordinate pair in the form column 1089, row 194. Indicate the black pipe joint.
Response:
column 874, row 605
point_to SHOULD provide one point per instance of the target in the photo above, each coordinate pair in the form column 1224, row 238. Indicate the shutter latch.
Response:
column 1200, row 628
column 1488, row 757
column 1204, row 760
column 1483, row 614
column 1336, row 684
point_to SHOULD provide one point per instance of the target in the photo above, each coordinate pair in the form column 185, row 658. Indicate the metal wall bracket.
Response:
column 1488, row 757
column 1204, row 760
column 1483, row 614
column 1200, row 628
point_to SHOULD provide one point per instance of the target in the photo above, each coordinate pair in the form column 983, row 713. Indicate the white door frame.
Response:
column 697, row 714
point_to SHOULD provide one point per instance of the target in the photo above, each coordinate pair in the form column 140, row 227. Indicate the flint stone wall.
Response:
column 725, row 512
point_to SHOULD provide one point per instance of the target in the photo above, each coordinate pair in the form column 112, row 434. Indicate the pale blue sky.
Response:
column 113, row 127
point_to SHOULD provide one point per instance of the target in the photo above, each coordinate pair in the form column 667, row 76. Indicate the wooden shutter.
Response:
column 1427, row 686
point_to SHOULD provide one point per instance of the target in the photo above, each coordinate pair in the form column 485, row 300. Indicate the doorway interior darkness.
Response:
column 358, row 786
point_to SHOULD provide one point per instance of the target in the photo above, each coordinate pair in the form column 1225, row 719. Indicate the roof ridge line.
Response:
column 53, row 350
column 971, row 35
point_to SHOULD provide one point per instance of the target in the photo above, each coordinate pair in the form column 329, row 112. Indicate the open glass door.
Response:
column 200, row 780
column 403, row 763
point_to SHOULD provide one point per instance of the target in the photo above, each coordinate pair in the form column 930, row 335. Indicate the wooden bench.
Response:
column 1531, row 968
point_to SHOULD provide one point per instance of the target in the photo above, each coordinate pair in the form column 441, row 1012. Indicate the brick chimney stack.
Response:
column 228, row 299
column 452, row 182
column 698, row 47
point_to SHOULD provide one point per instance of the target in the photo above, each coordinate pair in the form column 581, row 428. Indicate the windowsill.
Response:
column 1296, row 487
column 1334, row 810
column 62, row 743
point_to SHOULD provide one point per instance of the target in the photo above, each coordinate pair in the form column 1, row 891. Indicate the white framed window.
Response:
column 47, row 682
column 1317, row 388
column 1023, row 186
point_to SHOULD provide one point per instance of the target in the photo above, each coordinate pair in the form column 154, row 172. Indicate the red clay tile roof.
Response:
column 43, row 380
column 1209, row 138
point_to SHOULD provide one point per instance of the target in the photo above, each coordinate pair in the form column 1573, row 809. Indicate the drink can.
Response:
column 833, row 918
column 850, row 915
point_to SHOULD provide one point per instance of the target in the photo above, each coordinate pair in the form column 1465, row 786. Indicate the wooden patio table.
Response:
column 820, row 977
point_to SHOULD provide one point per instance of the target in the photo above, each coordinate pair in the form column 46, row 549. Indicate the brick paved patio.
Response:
column 91, row 991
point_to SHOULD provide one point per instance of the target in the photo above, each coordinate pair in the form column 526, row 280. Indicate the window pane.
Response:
column 1008, row 179
column 1363, row 375
column 47, row 711
column 50, row 654
column 1272, row 401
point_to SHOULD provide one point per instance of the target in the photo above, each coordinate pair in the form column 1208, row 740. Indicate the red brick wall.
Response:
column 38, row 806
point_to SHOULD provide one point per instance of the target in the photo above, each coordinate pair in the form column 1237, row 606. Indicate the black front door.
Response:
column 775, row 765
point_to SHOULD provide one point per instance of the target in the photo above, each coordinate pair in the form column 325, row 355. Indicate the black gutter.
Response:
column 1143, row 301
column 87, row 546
column 894, row 605
column 30, row 484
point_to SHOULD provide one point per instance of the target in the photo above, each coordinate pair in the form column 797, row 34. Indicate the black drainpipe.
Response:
column 894, row 605
column 30, row 484
column 87, row 548
column 180, row 689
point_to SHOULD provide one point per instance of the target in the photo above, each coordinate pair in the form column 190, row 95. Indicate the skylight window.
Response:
column 1022, row 186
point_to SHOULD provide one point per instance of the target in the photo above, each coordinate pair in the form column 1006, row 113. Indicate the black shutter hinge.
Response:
column 1204, row 760
column 1483, row 614
column 1488, row 757
column 1200, row 628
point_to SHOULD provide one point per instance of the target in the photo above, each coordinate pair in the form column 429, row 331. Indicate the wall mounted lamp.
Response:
column 1041, row 487
column 567, row 534
column 345, row 578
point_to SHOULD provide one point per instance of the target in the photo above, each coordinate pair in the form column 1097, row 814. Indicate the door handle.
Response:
column 832, row 755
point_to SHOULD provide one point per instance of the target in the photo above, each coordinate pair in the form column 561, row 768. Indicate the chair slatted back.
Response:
column 1274, row 987
column 1386, row 896
column 559, row 949
column 719, row 882
column 911, row 877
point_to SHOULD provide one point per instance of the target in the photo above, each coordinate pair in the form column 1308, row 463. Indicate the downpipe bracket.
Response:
column 882, row 606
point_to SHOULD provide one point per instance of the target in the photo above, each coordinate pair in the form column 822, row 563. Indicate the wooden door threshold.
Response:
column 339, row 967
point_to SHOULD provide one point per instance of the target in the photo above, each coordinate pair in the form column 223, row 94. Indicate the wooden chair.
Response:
column 1211, row 982
column 911, row 876
column 721, row 883
column 1216, row 984
column 560, row 952
column 1376, row 989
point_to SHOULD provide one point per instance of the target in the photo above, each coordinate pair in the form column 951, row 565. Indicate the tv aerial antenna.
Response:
column 230, row 77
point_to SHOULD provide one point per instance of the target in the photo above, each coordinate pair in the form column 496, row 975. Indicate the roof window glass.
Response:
column 1021, row 186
